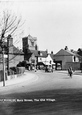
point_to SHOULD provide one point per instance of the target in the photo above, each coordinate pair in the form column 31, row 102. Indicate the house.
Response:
column 15, row 55
column 66, row 58
column 47, row 60
column 42, row 55
column 35, row 56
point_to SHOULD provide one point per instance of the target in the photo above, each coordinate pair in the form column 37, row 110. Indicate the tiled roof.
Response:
column 39, row 53
column 75, row 52
column 15, row 50
column 63, row 52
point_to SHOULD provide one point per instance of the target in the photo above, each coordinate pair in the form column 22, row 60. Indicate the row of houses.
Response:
column 62, row 59
column 30, row 53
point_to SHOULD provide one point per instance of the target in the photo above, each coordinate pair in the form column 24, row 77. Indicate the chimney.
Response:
column 66, row 48
column 9, row 50
column 51, row 52
column 71, row 50
column 36, row 47
column 10, row 40
column 47, row 51
column 10, row 44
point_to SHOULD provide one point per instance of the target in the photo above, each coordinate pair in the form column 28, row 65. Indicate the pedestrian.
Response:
column 70, row 72
column 35, row 68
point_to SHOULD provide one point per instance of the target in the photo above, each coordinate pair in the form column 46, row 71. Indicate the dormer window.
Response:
column 40, row 53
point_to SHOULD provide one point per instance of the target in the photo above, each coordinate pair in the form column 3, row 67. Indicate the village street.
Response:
column 35, row 81
column 43, row 94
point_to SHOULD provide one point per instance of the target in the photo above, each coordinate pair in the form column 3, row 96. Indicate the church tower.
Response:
column 29, row 43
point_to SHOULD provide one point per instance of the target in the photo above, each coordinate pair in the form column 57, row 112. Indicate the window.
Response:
column 40, row 59
column 32, row 43
column 74, row 58
column 40, row 54
column 32, row 61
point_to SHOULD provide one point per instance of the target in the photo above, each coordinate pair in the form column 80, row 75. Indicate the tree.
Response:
column 79, row 51
column 8, row 26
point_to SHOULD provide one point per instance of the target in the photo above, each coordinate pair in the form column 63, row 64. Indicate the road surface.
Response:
column 50, row 94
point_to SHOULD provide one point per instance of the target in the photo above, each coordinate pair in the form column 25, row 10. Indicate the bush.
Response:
column 21, row 70
column 17, row 70
column 13, row 69
column 22, row 64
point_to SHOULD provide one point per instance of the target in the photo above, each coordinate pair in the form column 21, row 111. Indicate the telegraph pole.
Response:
column 3, row 65
column 2, row 46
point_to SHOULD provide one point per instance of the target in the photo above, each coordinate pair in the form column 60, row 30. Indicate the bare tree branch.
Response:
column 9, row 24
column 6, row 18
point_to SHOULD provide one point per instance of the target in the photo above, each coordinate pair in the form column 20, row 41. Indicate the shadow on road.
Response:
column 67, row 102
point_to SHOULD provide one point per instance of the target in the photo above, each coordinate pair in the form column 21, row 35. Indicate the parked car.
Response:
column 48, row 68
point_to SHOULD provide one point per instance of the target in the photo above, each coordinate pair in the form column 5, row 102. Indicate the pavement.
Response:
column 26, row 76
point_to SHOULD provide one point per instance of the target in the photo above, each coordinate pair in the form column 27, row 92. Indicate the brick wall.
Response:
column 14, row 60
column 74, row 65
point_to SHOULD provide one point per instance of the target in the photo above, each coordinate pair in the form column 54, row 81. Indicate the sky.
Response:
column 55, row 23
